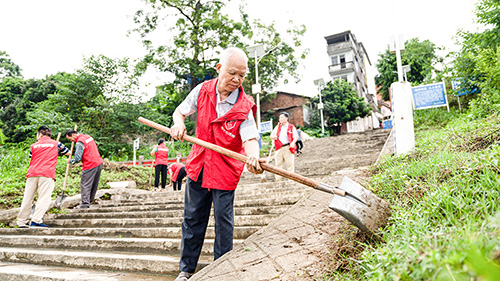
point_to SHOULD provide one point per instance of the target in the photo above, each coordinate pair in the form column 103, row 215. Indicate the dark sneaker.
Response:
column 81, row 207
column 34, row 224
column 183, row 276
column 23, row 226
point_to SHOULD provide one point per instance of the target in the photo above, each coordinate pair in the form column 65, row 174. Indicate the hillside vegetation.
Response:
column 445, row 222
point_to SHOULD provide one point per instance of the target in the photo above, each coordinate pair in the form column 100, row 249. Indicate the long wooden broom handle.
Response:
column 67, row 165
column 229, row 153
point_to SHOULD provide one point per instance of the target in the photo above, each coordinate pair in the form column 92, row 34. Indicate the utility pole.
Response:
column 320, row 83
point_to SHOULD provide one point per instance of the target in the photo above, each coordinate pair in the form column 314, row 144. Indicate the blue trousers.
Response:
column 197, row 205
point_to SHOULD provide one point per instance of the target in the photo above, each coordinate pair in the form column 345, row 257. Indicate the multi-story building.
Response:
column 348, row 61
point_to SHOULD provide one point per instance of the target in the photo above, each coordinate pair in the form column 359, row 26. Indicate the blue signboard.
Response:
column 462, row 87
column 266, row 127
column 432, row 95
column 455, row 85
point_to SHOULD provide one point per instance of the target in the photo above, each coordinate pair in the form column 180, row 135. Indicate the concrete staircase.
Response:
column 129, row 237
column 137, row 236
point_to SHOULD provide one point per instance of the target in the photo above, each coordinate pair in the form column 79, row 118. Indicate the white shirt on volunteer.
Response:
column 248, row 129
column 283, row 137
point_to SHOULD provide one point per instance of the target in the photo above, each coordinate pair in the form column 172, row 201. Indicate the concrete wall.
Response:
column 369, row 122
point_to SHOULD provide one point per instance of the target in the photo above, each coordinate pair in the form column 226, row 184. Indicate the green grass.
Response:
column 445, row 198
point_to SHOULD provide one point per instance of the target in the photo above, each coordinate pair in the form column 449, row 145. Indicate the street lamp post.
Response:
column 257, row 51
column 320, row 83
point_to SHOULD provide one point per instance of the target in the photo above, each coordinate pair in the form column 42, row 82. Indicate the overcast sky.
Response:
column 45, row 37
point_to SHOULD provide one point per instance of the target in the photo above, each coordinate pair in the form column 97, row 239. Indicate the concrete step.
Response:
column 238, row 211
column 140, row 232
column 253, row 195
column 248, row 178
column 142, row 263
column 269, row 200
column 32, row 272
column 161, row 246
column 254, row 220
column 242, row 190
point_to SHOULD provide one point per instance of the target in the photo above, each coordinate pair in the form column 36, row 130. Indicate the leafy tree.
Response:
column 7, row 67
column 477, row 63
column 115, row 77
column 472, row 63
column 10, row 88
column 165, row 102
column 18, row 97
column 341, row 104
column 201, row 30
column 200, row 27
column 93, row 97
column 419, row 55
column 281, row 57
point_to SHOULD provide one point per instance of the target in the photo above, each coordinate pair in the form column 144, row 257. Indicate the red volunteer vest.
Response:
column 174, row 169
column 161, row 154
column 43, row 158
column 91, row 157
column 289, row 134
column 220, row 172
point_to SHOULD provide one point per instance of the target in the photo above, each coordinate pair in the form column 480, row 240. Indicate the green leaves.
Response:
column 7, row 67
column 200, row 30
column 478, row 61
column 419, row 55
column 341, row 104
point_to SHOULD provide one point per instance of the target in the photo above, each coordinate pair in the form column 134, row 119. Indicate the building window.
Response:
column 343, row 77
column 342, row 61
column 335, row 60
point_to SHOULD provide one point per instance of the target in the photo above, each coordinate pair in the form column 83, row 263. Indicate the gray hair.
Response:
column 231, row 51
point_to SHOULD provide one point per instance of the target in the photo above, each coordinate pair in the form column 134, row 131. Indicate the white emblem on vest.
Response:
column 43, row 145
column 229, row 124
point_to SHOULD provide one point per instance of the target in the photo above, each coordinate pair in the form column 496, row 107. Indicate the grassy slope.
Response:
column 445, row 222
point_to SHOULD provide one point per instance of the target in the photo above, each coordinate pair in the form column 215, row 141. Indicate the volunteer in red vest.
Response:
column 86, row 151
column 177, row 172
column 225, row 117
column 285, row 137
column 41, row 177
column 160, row 152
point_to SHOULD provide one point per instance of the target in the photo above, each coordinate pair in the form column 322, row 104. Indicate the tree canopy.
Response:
column 201, row 30
column 341, row 104
column 419, row 55
column 7, row 67
column 477, row 64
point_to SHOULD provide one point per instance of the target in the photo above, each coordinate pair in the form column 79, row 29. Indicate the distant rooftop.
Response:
column 340, row 37
column 344, row 37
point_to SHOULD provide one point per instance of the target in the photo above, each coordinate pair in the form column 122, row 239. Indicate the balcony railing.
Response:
column 341, row 67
